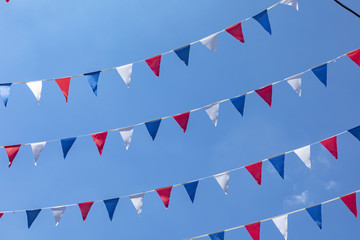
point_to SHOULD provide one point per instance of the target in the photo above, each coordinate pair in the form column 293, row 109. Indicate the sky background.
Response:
column 50, row 39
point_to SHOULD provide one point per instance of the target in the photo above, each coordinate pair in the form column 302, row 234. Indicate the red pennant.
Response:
column 154, row 64
column 99, row 139
column 11, row 152
column 254, row 230
column 64, row 84
column 331, row 145
column 164, row 194
column 350, row 202
column 1, row 214
column 236, row 32
column 182, row 120
column 7, row 0
column 355, row 56
column 265, row 93
column 85, row 209
column 255, row 171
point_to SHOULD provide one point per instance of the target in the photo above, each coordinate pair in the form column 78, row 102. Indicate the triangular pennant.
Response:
column 31, row 216
column 321, row 73
column 93, row 79
column 99, row 139
column 125, row 73
column 292, row 3
column 223, row 180
column 11, row 152
column 210, row 42
column 164, row 194
column 239, row 103
column 182, row 119
column 137, row 201
column 355, row 132
column 315, row 213
column 213, row 111
column 153, row 127
column 126, row 134
column 279, row 162
column 154, row 64
column 255, row 171
column 355, row 56
column 58, row 213
column 350, row 202
column 295, row 83
column 5, row 92
column 191, row 189
column 66, row 144
column 35, row 88
column 36, row 149
column 217, row 236
column 110, row 205
column 183, row 53
column 263, row 19
column 331, row 145
column 1, row 214
column 84, row 209
column 64, row 85
column 236, row 32
column 282, row 224
column 254, row 230
column 304, row 154
column 266, row 94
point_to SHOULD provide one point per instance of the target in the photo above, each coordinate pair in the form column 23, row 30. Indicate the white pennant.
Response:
column 304, row 154
column 58, row 213
column 223, row 180
column 126, row 134
column 210, row 42
column 36, row 149
column 293, row 3
column 35, row 87
column 213, row 111
column 282, row 224
column 125, row 72
column 295, row 83
column 137, row 200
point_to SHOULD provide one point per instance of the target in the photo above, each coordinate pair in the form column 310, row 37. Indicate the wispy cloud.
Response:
column 331, row 185
column 301, row 198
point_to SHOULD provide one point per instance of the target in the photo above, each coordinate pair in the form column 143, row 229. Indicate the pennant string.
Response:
column 143, row 60
column 269, row 219
column 196, row 109
column 179, row 184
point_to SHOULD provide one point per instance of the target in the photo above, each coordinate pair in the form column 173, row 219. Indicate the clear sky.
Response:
column 49, row 39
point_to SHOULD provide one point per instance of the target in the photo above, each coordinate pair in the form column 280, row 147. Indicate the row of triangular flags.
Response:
column 281, row 222
column 182, row 119
column 125, row 71
column 255, row 170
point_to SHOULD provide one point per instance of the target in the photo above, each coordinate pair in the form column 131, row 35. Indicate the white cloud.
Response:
column 331, row 185
column 301, row 198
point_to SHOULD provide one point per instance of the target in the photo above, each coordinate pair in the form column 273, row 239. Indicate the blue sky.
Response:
column 48, row 39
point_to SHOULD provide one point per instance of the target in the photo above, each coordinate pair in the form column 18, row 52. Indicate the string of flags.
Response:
column 255, row 170
column 182, row 119
column 153, row 63
column 281, row 221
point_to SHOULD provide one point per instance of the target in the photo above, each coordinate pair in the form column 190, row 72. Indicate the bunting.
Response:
column 191, row 189
column 355, row 132
column 153, row 127
column 35, row 88
column 36, row 149
column 266, row 94
column 304, row 154
column 321, row 73
column 331, row 145
column 64, row 85
column 255, row 171
column 164, row 194
column 239, row 103
column 182, row 119
column 254, row 230
column 125, row 72
column 236, row 32
column 213, row 111
column 154, row 64
column 183, row 53
column 263, row 19
column 12, row 152
column 210, row 42
column 58, row 213
column 282, row 224
column 84, row 209
column 223, row 180
column 217, row 236
column 31, row 216
column 292, row 3
column 110, row 205
column 278, row 163
column 93, row 79
column 99, row 139
column 350, row 201
column 137, row 201
column 5, row 92
column 355, row 56
column 126, row 134
column 315, row 214
column 66, row 144
column 295, row 83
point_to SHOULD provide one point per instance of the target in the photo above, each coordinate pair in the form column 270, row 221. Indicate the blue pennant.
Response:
column 93, row 79
column 355, row 132
column 5, row 92
column 67, row 144
column 321, row 73
column 217, row 236
column 153, row 127
column 191, row 189
column 315, row 213
column 239, row 103
column 183, row 53
column 111, row 206
column 278, row 163
column 31, row 216
column 263, row 19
